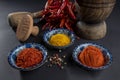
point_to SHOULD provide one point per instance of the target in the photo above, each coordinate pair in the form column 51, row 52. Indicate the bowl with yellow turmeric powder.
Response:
column 59, row 38
column 91, row 56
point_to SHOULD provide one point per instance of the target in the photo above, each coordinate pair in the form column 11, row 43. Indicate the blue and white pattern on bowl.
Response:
column 48, row 35
column 106, row 53
column 13, row 55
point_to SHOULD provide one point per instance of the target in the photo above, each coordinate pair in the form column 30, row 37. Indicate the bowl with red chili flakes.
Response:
column 86, row 56
column 28, row 56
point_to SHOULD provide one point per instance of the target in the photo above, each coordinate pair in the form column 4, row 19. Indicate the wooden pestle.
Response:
column 15, row 17
column 25, row 28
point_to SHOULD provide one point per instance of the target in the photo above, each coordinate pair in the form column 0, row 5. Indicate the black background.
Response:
column 72, row 71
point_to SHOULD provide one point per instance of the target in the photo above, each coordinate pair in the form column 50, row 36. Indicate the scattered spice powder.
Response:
column 92, row 56
column 29, row 57
column 59, row 40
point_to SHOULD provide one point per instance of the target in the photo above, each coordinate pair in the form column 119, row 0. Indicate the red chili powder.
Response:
column 92, row 56
column 29, row 57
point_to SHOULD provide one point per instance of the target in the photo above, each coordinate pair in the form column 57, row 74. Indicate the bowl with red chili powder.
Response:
column 28, row 56
column 91, row 56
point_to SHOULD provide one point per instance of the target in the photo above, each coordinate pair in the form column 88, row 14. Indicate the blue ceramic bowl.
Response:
column 107, row 56
column 13, row 55
column 48, row 35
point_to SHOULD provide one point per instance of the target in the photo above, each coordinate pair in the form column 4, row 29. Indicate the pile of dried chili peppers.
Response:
column 59, row 14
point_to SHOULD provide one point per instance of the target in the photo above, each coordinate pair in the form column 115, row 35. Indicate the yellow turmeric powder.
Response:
column 59, row 40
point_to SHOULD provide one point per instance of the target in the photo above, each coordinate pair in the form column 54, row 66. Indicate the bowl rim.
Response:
column 88, row 67
column 59, row 47
column 29, row 68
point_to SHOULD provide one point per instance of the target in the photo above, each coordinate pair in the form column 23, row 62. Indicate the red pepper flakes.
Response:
column 29, row 57
column 59, row 14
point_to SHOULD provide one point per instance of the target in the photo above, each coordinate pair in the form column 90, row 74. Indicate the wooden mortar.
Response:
column 95, row 11
column 93, row 14
column 91, row 31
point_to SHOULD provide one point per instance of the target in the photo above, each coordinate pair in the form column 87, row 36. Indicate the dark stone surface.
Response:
column 72, row 71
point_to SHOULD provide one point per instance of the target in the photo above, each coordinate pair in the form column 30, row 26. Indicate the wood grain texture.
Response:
column 96, row 1
column 91, row 31
column 94, row 11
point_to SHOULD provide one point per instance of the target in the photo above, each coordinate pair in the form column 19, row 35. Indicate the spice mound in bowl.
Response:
column 59, row 38
column 28, row 56
column 92, row 56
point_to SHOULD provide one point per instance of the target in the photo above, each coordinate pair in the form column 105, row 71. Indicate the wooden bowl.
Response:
column 93, row 11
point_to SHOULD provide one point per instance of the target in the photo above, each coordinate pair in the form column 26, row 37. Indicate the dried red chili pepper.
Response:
column 62, row 23
column 62, row 7
column 70, row 11
column 59, row 13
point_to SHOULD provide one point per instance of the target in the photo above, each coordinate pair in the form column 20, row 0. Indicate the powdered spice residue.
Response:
column 29, row 57
column 59, row 40
column 92, row 56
